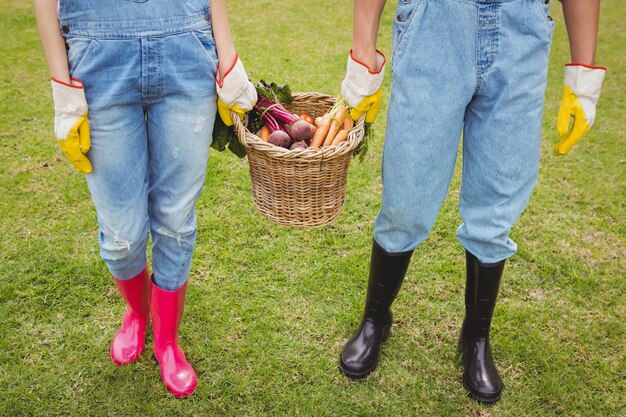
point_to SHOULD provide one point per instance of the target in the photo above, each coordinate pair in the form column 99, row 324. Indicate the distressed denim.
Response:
column 476, row 67
column 148, row 68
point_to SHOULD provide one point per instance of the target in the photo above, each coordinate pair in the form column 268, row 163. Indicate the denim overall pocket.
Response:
column 542, row 9
column 78, row 51
column 404, row 20
column 204, row 38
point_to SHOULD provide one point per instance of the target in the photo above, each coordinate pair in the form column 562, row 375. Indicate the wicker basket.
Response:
column 300, row 187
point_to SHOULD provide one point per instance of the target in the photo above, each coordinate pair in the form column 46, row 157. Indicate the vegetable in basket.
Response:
column 277, row 125
column 225, row 136
column 298, row 145
column 298, row 129
column 280, row 138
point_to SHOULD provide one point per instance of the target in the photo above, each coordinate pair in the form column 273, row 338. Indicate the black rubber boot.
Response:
column 480, row 376
column 360, row 355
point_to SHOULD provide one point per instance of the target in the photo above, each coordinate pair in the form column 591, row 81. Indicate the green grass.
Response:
column 270, row 307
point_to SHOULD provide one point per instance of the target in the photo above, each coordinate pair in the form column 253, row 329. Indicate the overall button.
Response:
column 406, row 1
column 400, row 18
column 546, row 1
column 65, row 29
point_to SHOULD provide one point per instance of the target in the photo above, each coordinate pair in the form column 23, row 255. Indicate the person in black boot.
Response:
column 476, row 69
column 360, row 355
column 480, row 376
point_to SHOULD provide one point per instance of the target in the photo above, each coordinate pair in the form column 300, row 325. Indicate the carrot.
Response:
column 335, row 126
column 341, row 136
column 339, row 118
column 332, row 132
column 320, row 133
column 264, row 134
column 347, row 124
column 318, row 120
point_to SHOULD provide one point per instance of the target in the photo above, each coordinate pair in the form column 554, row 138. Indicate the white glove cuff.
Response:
column 235, row 87
column 360, row 80
column 585, row 81
column 69, row 98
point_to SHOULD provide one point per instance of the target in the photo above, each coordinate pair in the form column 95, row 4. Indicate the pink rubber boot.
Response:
column 129, row 340
column 166, row 308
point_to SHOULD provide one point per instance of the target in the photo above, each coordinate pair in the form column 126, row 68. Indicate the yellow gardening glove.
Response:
column 235, row 93
column 580, row 96
column 369, row 105
column 70, row 122
column 224, row 111
column 362, row 87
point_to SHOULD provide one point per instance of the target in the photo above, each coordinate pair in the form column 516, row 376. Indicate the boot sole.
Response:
column 481, row 398
column 355, row 375
column 363, row 373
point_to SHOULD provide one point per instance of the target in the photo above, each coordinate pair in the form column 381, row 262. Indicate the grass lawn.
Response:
column 269, row 307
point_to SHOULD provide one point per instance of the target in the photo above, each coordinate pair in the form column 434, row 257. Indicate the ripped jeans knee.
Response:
column 124, row 255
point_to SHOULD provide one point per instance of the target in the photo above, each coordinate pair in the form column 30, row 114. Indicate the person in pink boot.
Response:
column 136, row 88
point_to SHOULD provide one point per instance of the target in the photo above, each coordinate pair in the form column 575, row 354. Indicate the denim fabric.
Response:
column 476, row 67
column 148, row 68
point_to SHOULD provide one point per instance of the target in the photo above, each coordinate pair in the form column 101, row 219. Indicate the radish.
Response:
column 297, row 145
column 280, row 138
column 301, row 130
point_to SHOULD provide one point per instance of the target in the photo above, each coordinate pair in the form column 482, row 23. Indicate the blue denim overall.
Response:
column 477, row 67
column 148, row 67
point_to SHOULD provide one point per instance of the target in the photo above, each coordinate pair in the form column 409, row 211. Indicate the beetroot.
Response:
column 301, row 130
column 297, row 145
column 280, row 138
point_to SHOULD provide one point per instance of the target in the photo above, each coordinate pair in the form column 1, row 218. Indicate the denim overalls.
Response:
column 473, row 66
column 148, row 67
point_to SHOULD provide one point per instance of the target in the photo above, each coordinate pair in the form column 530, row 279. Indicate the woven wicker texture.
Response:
column 300, row 187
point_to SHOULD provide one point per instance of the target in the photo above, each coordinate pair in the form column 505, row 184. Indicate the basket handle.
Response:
column 240, row 127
